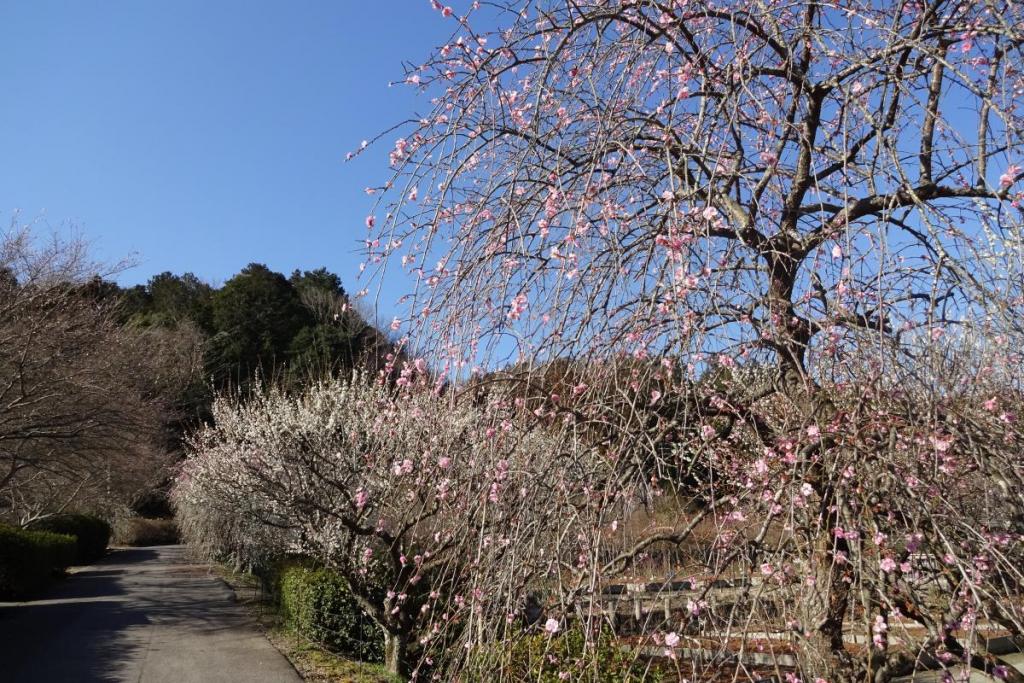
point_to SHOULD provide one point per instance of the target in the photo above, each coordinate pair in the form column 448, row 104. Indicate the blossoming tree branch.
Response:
column 726, row 295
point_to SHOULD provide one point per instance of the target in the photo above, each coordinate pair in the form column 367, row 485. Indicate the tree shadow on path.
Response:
column 138, row 615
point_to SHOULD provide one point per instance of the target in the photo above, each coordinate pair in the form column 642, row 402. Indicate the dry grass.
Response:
column 319, row 666
column 142, row 531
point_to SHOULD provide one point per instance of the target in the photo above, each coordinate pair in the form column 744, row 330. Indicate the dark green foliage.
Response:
column 91, row 534
column 316, row 602
column 290, row 329
column 134, row 305
column 540, row 657
column 320, row 279
column 256, row 314
column 167, row 300
column 329, row 343
column 321, row 350
column 29, row 559
column 176, row 298
column 98, row 290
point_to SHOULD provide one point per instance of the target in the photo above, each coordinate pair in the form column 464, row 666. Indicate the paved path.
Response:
column 142, row 615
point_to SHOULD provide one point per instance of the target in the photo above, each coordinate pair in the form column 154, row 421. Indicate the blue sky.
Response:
column 200, row 135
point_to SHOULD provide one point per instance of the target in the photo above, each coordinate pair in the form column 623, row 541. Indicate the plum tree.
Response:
column 828, row 190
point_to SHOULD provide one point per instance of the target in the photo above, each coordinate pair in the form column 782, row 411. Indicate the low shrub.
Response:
column 92, row 534
column 546, row 659
column 316, row 603
column 142, row 531
column 29, row 559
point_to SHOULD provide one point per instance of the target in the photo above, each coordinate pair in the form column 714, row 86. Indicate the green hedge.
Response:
column 92, row 534
column 317, row 603
column 540, row 657
column 29, row 559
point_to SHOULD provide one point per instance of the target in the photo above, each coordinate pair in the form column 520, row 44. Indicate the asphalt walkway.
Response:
column 143, row 615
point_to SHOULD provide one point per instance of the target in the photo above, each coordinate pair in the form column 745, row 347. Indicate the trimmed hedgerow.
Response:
column 544, row 658
column 29, row 559
column 92, row 534
column 316, row 603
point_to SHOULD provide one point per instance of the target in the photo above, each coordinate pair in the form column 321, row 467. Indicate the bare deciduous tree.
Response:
column 83, row 402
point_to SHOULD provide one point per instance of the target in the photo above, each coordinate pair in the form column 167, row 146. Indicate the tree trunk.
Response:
column 396, row 653
column 822, row 613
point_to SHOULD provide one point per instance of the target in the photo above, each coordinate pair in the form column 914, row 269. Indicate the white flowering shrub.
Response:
column 464, row 526
column 436, row 512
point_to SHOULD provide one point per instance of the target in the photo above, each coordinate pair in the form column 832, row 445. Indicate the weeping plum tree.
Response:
column 824, row 196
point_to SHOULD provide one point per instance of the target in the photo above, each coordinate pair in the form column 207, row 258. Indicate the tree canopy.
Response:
column 831, row 192
column 259, row 323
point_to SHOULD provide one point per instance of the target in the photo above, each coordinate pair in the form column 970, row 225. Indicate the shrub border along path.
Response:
column 29, row 560
column 313, row 662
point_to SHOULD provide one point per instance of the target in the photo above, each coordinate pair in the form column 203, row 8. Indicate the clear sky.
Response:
column 202, row 135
